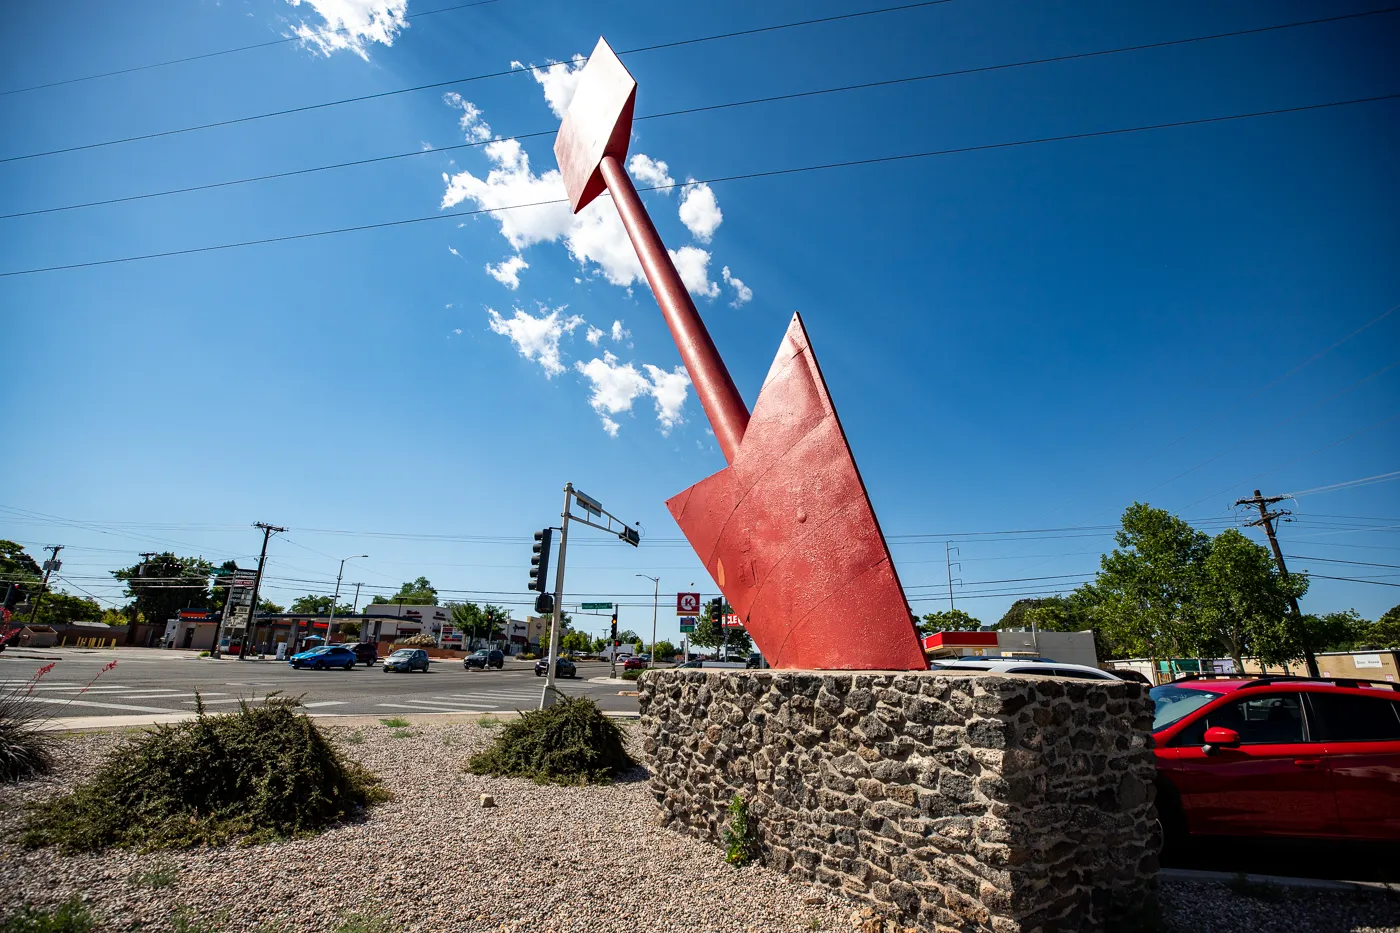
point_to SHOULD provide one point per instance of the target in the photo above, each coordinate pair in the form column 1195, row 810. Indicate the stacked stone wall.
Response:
column 954, row 802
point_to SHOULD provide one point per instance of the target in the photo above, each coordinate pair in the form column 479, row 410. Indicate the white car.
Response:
column 1022, row 666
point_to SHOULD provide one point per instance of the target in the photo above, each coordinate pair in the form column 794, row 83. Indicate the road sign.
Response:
column 687, row 623
column 597, row 606
column 687, row 604
column 590, row 504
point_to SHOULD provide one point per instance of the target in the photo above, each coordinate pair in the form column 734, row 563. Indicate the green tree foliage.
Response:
column 318, row 606
column 664, row 651
column 952, row 620
column 165, row 584
column 16, row 566
column 268, row 606
column 60, row 608
column 486, row 623
column 417, row 592
column 575, row 643
column 1242, row 601
column 1146, row 588
column 1382, row 633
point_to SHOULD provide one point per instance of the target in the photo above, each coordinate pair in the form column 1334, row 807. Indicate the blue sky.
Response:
column 1016, row 338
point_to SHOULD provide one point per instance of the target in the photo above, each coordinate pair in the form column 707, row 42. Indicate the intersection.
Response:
column 159, row 682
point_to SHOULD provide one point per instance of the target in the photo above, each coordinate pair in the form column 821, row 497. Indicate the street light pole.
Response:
column 336, row 598
column 655, row 595
column 547, row 697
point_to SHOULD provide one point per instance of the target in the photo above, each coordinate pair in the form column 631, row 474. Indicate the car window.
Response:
column 1346, row 717
column 1049, row 671
column 1267, row 719
column 1173, row 704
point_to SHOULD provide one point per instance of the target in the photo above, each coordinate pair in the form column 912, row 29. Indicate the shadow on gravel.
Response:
column 1294, row 858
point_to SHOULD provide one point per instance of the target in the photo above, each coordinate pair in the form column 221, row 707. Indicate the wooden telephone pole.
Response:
column 1266, row 518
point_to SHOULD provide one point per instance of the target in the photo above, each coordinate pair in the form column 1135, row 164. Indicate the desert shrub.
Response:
column 740, row 839
column 254, row 775
column 571, row 742
column 25, row 749
column 631, row 675
column 416, row 641
column 69, row 917
column 528, row 656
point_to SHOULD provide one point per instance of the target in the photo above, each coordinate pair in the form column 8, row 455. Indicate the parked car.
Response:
column 483, row 659
column 634, row 664
column 1041, row 666
column 407, row 659
column 755, row 660
column 562, row 668
column 323, row 657
column 694, row 663
column 366, row 652
column 1277, row 756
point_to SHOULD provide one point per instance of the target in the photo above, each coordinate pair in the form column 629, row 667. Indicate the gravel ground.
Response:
column 545, row 858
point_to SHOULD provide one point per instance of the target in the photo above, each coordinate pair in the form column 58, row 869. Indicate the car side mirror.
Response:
column 1220, row 737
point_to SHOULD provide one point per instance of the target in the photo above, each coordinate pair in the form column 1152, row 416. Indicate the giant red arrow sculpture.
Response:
column 786, row 530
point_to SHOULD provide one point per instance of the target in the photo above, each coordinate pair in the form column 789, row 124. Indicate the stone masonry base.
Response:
column 956, row 802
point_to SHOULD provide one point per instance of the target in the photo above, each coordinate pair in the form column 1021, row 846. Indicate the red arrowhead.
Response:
column 787, row 532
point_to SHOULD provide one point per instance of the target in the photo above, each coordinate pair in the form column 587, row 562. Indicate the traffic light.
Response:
column 614, row 628
column 539, row 563
column 717, row 609
column 14, row 595
column 544, row 604
column 631, row 536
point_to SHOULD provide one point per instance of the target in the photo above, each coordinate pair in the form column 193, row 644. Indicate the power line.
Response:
column 373, row 160
column 1334, row 560
column 745, row 176
column 1318, row 576
column 1366, row 481
column 481, row 77
column 195, row 58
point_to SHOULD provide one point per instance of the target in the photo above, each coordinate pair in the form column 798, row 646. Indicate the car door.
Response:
column 1274, row 783
column 1361, row 738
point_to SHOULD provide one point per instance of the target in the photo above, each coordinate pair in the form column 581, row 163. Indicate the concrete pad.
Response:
column 1315, row 884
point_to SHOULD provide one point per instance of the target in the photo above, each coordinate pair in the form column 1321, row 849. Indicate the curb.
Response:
column 1281, row 881
column 31, row 657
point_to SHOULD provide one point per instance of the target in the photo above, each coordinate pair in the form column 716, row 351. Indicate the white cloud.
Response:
column 507, row 272
column 593, row 335
column 453, row 251
column 425, row 147
column 693, row 264
column 474, row 128
column 700, row 212
column 669, row 391
column 619, row 333
column 742, row 293
column 617, row 385
column 457, row 331
column 509, row 183
column 537, row 338
column 351, row 25
column 559, row 80
column 651, row 172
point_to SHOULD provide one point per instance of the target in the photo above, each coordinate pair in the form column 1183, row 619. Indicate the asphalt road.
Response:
column 153, row 681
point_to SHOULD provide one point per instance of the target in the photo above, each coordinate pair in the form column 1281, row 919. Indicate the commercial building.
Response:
column 1065, row 647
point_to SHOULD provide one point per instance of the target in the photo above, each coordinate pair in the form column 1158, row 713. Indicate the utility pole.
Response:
column 50, row 565
column 268, row 531
column 948, row 550
column 355, row 609
column 1266, row 519
column 336, row 598
column 548, row 696
column 655, row 595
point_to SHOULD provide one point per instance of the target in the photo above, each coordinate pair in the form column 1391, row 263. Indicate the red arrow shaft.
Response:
column 728, row 414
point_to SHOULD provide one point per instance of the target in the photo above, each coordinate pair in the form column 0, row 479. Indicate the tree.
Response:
column 1382, row 633
column 318, row 606
column 497, row 621
column 417, row 592
column 163, row 585
column 16, row 566
column 954, row 620
column 575, row 643
column 664, row 650
column 1146, row 588
column 1015, row 617
column 466, row 617
column 268, row 606
column 60, row 608
column 1243, row 602
column 348, row 629
column 627, row 636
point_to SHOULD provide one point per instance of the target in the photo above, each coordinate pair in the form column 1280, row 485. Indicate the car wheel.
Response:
column 350, row 666
column 319, row 665
column 539, row 673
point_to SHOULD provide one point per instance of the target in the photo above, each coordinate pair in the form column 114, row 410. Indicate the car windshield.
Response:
column 404, row 653
column 1172, row 704
column 318, row 651
column 481, row 654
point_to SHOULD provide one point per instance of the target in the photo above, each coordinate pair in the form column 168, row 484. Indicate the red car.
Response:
column 1278, row 757
column 634, row 664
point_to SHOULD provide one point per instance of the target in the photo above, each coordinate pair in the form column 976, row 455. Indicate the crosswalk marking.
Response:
column 325, row 703
column 229, row 700
column 65, row 701
column 452, row 709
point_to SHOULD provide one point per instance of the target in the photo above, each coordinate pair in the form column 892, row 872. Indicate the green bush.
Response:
column 740, row 840
column 571, row 742
column 254, row 775
column 69, row 917
column 25, row 750
column 631, row 675
column 528, row 656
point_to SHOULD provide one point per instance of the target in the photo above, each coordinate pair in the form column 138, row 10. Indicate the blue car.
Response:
column 321, row 658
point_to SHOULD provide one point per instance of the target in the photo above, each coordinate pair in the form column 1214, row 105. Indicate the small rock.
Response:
column 488, row 800
column 814, row 899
